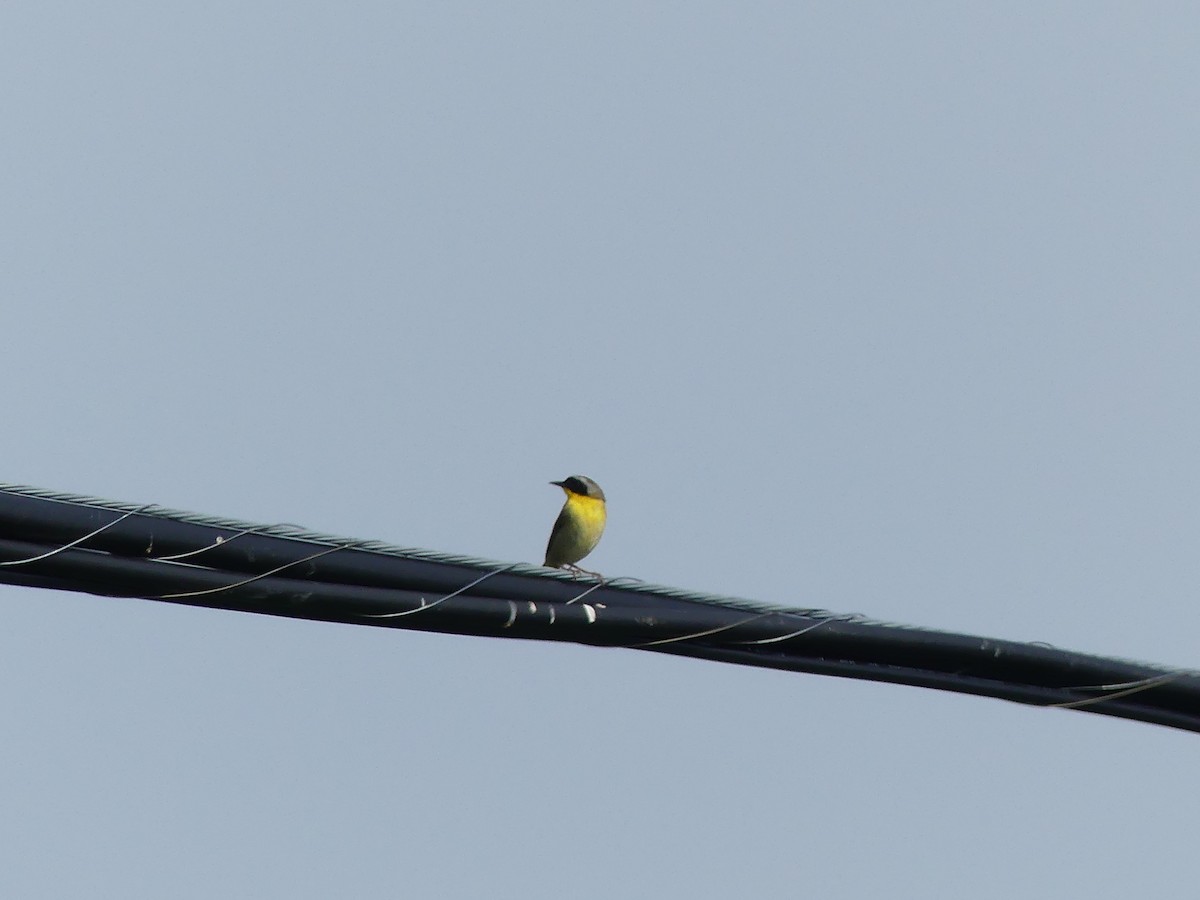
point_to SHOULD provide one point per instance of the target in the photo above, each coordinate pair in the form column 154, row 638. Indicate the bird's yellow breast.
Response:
column 589, row 511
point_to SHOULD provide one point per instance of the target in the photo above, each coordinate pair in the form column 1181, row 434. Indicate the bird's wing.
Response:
column 560, row 525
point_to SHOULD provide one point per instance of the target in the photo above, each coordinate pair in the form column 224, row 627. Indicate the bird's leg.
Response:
column 576, row 573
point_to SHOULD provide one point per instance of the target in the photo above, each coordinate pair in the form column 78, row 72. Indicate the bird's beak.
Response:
column 557, row 483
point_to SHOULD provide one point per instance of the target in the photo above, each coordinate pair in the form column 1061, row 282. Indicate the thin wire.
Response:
column 176, row 557
column 585, row 593
column 700, row 634
column 251, row 580
column 423, row 607
column 787, row 637
column 1138, row 687
column 610, row 582
column 77, row 541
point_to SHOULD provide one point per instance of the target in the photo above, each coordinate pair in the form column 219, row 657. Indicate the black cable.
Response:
column 83, row 544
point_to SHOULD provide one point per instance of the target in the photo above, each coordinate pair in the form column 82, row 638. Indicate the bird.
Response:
column 578, row 527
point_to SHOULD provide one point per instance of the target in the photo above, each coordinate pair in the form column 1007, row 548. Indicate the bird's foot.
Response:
column 577, row 572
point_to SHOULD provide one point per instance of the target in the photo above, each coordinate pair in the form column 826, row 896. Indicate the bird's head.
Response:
column 582, row 485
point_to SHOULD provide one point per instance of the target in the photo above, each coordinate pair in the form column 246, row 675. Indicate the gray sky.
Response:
column 886, row 310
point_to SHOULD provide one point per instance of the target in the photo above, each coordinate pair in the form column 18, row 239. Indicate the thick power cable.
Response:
column 75, row 543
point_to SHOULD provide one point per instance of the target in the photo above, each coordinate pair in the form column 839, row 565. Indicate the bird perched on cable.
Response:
column 579, row 526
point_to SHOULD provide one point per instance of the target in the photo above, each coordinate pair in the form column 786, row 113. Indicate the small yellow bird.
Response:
column 579, row 526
